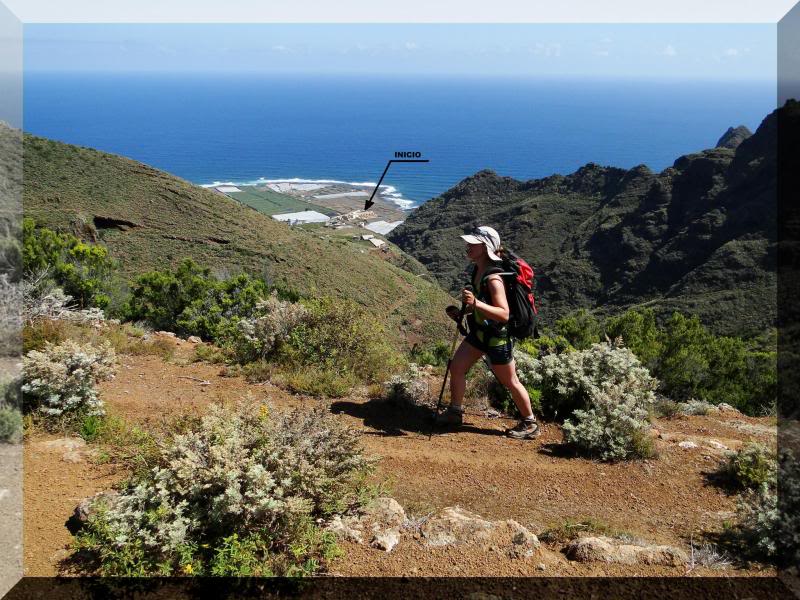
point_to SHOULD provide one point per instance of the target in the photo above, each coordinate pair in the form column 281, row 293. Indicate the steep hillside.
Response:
column 149, row 219
column 699, row 237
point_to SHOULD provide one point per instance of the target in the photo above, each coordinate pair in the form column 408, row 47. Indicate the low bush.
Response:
column 191, row 301
column 84, row 271
column 569, row 381
column 605, row 396
column 209, row 353
column 545, row 344
column 615, row 427
column 436, row 354
column 59, row 381
column 752, row 466
column 408, row 388
column 314, row 381
column 260, row 333
column 581, row 329
column 754, row 532
column 237, row 493
column 10, row 425
column 337, row 336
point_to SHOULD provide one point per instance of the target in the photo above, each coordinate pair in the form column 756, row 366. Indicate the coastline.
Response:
column 297, row 185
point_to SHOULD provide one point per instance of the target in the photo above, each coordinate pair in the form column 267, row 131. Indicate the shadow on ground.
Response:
column 394, row 419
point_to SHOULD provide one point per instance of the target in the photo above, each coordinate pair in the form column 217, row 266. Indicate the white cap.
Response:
column 486, row 236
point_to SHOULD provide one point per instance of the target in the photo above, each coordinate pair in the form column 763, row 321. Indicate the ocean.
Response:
column 246, row 128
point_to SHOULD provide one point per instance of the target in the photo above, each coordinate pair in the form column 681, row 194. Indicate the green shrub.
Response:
column 237, row 493
column 697, row 364
column 436, row 354
column 581, row 329
column 190, row 301
column 604, row 395
column 10, row 425
column 59, row 381
column 754, row 533
column 545, row 344
column 261, row 332
column 408, row 388
column 314, row 381
column 752, row 466
column 84, row 271
column 639, row 332
column 209, row 353
column 337, row 336
column 569, row 381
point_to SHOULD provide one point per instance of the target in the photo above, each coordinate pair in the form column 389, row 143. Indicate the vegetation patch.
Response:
column 238, row 493
column 60, row 382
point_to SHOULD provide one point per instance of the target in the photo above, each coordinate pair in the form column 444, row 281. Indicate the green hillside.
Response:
column 150, row 219
column 699, row 237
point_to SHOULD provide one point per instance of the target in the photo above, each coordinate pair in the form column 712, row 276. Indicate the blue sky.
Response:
column 660, row 51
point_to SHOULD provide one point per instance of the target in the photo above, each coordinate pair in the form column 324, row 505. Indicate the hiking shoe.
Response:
column 524, row 430
column 452, row 416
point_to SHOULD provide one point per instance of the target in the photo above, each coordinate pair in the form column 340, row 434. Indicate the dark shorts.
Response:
column 499, row 354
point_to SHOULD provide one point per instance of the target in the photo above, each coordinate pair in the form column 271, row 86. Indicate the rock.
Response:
column 604, row 549
column 524, row 543
column 165, row 333
column 717, row 445
column 345, row 529
column 386, row 540
column 67, row 444
column 492, row 413
column 387, row 512
column 75, row 457
column 725, row 407
column 687, row 445
column 455, row 525
column 193, row 339
column 86, row 508
column 541, row 567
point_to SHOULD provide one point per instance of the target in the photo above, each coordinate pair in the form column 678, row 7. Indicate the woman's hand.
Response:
column 468, row 298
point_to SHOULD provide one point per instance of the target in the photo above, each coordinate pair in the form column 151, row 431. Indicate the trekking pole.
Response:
column 449, row 361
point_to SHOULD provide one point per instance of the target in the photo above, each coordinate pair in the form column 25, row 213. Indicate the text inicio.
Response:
column 407, row 154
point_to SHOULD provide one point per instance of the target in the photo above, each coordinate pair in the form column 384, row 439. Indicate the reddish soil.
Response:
column 666, row 499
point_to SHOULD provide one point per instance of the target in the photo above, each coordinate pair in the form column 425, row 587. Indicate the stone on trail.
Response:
column 387, row 512
column 604, row 549
column 67, row 444
column 455, row 525
column 345, row 529
column 386, row 540
column 687, row 445
column 193, row 339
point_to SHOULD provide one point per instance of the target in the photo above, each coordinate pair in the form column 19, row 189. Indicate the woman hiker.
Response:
column 487, row 315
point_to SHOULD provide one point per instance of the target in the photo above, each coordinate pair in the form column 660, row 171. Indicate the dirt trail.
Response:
column 664, row 500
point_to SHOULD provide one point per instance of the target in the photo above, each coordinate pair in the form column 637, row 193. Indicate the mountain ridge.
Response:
column 698, row 237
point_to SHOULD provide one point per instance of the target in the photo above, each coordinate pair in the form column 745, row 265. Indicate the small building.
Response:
column 299, row 218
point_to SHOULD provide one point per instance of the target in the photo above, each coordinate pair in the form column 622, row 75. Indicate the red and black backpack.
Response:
column 518, row 277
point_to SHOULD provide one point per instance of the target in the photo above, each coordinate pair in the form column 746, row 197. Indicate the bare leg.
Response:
column 466, row 356
column 507, row 375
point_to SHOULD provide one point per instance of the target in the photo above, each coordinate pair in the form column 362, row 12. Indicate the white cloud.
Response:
column 731, row 52
column 411, row 46
column 669, row 51
column 281, row 48
column 606, row 40
column 602, row 52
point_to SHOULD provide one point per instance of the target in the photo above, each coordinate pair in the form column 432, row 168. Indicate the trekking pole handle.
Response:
column 469, row 288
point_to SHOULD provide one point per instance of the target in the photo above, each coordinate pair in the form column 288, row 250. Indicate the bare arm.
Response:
column 498, row 309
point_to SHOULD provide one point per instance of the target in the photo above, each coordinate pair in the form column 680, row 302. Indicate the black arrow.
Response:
column 369, row 202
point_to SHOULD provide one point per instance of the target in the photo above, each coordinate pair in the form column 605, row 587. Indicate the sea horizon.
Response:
column 248, row 129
